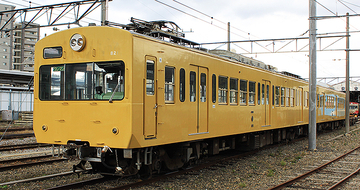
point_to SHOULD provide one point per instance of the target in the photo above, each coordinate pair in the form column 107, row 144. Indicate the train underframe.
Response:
column 144, row 162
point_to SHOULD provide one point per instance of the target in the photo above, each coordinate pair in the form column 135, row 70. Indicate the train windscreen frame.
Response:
column 82, row 81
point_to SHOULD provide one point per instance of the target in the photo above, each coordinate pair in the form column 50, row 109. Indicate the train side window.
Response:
column 321, row 101
column 150, row 77
column 203, row 87
column 317, row 100
column 287, row 94
column 182, row 85
column 223, row 88
column 192, row 86
column 258, row 94
column 233, row 91
column 277, row 96
column 263, row 94
column 292, row 97
column 243, row 92
column 169, row 84
column 213, row 88
column 282, row 96
column 251, row 93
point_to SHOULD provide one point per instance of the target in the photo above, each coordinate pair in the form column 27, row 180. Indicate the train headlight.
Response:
column 77, row 42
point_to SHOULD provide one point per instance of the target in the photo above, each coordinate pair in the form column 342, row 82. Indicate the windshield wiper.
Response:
column 112, row 95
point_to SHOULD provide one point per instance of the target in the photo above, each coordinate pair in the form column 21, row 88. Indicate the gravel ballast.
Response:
column 262, row 170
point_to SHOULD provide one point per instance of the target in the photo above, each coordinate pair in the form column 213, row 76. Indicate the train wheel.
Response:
column 145, row 172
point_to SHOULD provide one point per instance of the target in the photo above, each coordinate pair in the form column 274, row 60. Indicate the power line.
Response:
column 347, row 7
column 248, row 33
column 350, row 3
column 197, row 17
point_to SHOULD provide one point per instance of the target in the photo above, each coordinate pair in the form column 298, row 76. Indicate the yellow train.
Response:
column 133, row 104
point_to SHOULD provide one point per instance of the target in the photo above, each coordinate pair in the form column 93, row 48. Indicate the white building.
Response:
column 6, row 36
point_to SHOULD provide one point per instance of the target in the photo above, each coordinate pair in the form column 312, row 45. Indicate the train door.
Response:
column 301, row 105
column 265, row 101
column 198, row 100
column 321, row 106
column 150, row 98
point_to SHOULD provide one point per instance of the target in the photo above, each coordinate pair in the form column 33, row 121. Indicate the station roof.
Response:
column 15, row 77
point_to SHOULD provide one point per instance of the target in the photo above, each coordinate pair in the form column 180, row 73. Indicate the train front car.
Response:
column 82, row 95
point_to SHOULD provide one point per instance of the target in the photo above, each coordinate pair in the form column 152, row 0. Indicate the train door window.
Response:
column 223, row 88
column 267, row 94
column 169, row 84
column 258, row 94
column 251, row 93
column 292, row 97
column 192, row 86
column 203, row 87
column 182, row 85
column 273, row 95
column 282, row 96
column 263, row 94
column 233, row 91
column 213, row 88
column 317, row 100
column 277, row 96
column 150, row 77
column 243, row 92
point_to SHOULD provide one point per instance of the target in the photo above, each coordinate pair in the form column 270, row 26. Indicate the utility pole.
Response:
column 104, row 12
column 312, row 75
column 347, row 98
column 228, row 44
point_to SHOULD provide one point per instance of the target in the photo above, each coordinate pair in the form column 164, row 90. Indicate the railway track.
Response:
column 25, row 162
column 330, row 175
column 16, row 136
column 216, row 161
column 16, row 129
column 22, row 146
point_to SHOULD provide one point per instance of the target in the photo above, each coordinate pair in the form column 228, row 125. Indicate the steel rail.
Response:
column 336, row 185
column 22, row 146
column 291, row 181
column 23, row 159
column 14, row 136
column 26, row 164
column 16, row 129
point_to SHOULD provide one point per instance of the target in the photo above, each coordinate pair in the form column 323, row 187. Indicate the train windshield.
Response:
column 83, row 81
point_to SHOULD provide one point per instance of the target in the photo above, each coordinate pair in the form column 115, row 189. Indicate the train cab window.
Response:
column 203, row 87
column 258, row 94
column 233, row 91
column 213, row 88
column 223, row 88
column 150, row 77
column 169, row 84
column 243, row 92
column 277, row 95
column 182, row 85
column 83, row 81
column 282, row 96
column 192, row 86
column 251, row 93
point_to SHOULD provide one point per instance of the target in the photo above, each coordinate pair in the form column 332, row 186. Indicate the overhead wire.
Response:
column 197, row 17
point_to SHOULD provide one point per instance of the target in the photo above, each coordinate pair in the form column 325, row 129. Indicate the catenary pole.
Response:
column 312, row 75
column 347, row 98
column 104, row 12
column 228, row 44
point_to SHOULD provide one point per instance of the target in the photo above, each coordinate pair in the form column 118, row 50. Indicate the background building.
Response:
column 24, row 46
column 6, row 37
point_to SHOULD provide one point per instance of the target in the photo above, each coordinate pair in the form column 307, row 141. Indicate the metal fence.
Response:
column 16, row 100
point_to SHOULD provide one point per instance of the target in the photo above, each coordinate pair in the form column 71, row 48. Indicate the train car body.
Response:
column 354, row 109
column 127, row 101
